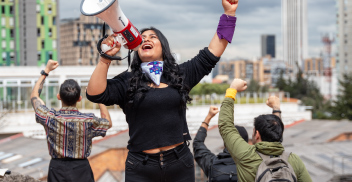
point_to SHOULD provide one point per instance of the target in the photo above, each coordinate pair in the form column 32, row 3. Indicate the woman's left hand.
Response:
column 230, row 7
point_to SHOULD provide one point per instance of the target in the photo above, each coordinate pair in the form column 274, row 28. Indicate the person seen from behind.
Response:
column 219, row 167
column 69, row 132
column 267, row 137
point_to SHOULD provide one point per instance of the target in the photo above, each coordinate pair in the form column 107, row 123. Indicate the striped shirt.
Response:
column 69, row 133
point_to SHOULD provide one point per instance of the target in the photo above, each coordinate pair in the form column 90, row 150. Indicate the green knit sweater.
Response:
column 245, row 156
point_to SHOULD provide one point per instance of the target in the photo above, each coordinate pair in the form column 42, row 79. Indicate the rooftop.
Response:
column 307, row 139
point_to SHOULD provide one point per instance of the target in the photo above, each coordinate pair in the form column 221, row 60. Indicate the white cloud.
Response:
column 190, row 25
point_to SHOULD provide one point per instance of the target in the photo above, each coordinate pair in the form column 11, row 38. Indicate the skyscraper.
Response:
column 268, row 45
column 295, row 32
column 28, row 32
column 344, row 37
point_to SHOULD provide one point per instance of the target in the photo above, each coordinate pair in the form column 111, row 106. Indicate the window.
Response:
column 50, row 32
column 3, row 21
column 54, row 20
column 42, row 20
column 49, row 9
column 11, row 9
column 3, row 44
column 12, row 44
column 4, row 56
column 50, row 55
column 54, row 44
column 3, row 33
column 2, row 9
column 38, row 32
column 38, row 8
column 43, row 45
column 39, row 56
column 11, row 21
column 12, row 56
column 11, row 33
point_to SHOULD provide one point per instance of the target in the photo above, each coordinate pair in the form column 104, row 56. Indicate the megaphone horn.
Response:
column 110, row 12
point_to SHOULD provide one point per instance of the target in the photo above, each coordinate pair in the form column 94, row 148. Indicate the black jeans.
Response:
column 175, row 165
column 70, row 170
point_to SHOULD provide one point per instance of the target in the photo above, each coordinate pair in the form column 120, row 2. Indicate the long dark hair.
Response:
column 139, row 81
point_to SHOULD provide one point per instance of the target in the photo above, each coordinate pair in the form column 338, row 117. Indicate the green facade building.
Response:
column 29, row 32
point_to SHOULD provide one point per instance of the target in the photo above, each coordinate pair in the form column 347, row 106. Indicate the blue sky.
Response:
column 190, row 25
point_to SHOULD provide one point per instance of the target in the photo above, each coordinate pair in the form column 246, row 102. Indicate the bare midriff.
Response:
column 161, row 149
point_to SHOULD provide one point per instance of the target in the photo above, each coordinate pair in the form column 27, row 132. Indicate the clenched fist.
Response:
column 239, row 84
column 51, row 65
column 273, row 102
column 213, row 110
column 230, row 7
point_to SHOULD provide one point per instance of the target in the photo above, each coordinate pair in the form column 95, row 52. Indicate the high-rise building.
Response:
column 295, row 32
column 244, row 69
column 344, row 37
column 79, row 39
column 28, row 32
column 268, row 45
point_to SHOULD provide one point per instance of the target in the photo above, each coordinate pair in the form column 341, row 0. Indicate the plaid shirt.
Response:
column 69, row 133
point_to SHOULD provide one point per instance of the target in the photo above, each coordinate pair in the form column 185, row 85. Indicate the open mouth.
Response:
column 147, row 46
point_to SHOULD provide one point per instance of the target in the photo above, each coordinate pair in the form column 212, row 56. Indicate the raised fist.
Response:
column 273, row 102
column 239, row 85
column 230, row 7
column 213, row 110
column 51, row 65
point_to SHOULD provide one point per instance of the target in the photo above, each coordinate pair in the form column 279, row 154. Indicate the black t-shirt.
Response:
column 157, row 121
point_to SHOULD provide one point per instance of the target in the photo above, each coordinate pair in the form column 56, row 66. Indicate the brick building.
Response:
column 78, row 40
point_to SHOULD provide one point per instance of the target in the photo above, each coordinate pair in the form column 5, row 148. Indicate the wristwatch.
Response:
column 275, row 111
column 44, row 73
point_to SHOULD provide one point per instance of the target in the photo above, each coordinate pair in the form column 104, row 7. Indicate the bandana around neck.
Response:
column 154, row 70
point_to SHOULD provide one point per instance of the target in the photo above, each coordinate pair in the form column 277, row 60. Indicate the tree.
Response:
column 254, row 86
column 209, row 88
column 342, row 107
column 307, row 91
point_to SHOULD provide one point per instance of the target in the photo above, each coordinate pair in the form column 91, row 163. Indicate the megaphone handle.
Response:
column 106, row 48
column 102, row 53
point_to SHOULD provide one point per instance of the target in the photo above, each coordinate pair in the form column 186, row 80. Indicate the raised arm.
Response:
column 274, row 102
column 35, row 99
column 203, row 156
column 234, row 143
column 217, row 45
column 98, row 80
column 213, row 110
column 104, row 113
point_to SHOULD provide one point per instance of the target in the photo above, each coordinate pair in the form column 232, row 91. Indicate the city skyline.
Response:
column 181, row 21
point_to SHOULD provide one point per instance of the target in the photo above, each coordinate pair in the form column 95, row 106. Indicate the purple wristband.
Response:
column 226, row 27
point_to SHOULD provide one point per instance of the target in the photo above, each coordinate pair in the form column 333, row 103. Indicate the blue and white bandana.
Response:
column 154, row 70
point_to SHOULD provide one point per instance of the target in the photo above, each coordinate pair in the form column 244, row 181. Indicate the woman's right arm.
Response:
column 98, row 80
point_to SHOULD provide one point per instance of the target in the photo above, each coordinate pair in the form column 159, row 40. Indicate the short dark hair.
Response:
column 270, row 127
column 70, row 92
